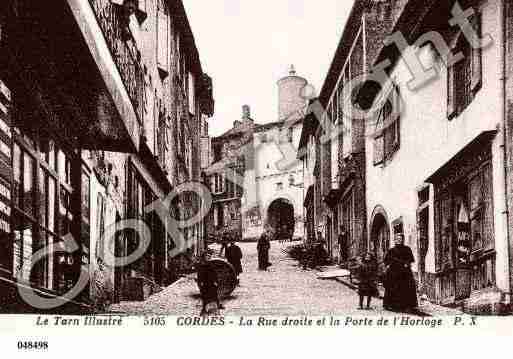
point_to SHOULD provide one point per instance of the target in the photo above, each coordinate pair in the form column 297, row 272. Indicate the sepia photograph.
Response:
column 234, row 163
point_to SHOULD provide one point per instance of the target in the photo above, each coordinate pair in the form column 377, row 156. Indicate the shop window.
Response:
column 464, row 78
column 42, row 212
column 466, row 218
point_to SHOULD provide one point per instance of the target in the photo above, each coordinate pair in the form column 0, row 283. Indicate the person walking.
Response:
column 400, row 288
column 263, row 247
column 208, row 284
column 367, row 275
column 234, row 256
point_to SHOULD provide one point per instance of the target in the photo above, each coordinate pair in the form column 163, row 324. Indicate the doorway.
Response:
column 380, row 239
column 280, row 217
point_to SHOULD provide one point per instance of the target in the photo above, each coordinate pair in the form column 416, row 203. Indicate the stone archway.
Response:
column 280, row 218
column 379, row 235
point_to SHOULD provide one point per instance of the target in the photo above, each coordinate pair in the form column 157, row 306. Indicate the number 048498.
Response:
column 32, row 345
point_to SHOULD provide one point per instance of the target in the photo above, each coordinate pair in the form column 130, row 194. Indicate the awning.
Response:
column 468, row 157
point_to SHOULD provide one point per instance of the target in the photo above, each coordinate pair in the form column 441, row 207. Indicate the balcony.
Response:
column 118, row 99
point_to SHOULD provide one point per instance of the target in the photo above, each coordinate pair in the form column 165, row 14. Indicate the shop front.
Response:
column 465, row 255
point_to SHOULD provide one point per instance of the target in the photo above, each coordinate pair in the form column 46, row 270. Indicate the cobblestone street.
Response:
column 285, row 289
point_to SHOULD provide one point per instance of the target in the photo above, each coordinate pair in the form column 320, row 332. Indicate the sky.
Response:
column 246, row 46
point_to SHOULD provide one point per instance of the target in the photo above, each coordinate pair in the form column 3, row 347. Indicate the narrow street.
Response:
column 285, row 289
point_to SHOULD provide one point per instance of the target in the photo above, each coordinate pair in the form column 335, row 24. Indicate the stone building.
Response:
column 333, row 146
column 436, row 172
column 99, row 121
column 261, row 160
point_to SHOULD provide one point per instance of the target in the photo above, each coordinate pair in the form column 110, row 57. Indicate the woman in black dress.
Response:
column 400, row 288
column 263, row 246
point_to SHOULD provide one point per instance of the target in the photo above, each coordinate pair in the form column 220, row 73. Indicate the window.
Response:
column 43, row 211
column 387, row 131
column 279, row 186
column 217, row 183
column 464, row 78
column 263, row 138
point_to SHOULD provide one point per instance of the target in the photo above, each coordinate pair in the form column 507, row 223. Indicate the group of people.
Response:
column 400, row 289
column 398, row 281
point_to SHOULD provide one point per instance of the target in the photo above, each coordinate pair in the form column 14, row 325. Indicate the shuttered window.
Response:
column 387, row 131
column 464, row 78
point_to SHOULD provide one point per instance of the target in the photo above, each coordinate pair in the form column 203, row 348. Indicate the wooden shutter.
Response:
column 451, row 98
column 476, row 217
column 488, row 229
column 446, row 229
column 476, row 59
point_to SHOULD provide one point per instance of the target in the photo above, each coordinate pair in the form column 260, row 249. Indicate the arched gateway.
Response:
column 280, row 218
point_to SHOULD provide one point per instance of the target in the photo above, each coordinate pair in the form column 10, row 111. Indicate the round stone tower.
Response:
column 289, row 94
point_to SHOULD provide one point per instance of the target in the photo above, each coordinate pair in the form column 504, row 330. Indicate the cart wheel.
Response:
column 226, row 276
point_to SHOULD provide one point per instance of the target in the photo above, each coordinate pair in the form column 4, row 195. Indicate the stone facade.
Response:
column 266, row 170
column 121, row 132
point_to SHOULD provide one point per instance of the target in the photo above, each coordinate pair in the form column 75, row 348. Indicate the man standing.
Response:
column 342, row 244
column 234, row 256
column 263, row 247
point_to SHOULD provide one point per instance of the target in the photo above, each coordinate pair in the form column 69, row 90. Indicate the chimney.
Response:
column 246, row 112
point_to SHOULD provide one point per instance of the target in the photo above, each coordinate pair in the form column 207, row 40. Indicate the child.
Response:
column 367, row 274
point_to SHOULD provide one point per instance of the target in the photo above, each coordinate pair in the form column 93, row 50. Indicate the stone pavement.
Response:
column 285, row 289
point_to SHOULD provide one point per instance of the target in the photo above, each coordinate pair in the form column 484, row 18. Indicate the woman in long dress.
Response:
column 400, row 287
column 263, row 246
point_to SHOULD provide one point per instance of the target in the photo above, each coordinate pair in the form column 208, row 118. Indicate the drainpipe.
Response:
column 504, row 140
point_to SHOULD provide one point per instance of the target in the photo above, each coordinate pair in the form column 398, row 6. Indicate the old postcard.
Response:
column 190, row 168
